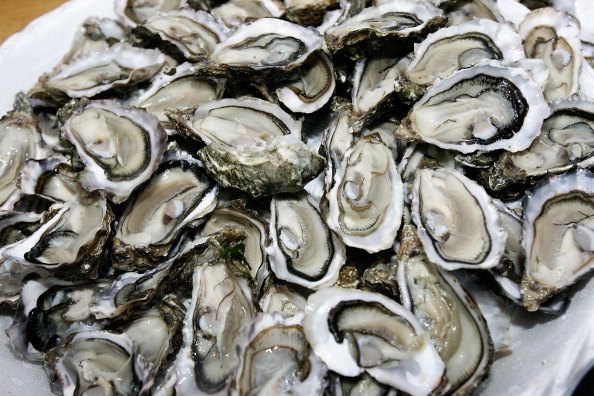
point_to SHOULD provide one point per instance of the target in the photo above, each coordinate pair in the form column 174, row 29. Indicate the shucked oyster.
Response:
column 120, row 146
column 302, row 249
column 19, row 141
column 558, row 235
column 256, row 235
column 277, row 359
column 485, row 107
column 457, row 222
column 310, row 86
column 182, row 90
column 267, row 44
column 451, row 317
column 553, row 36
column 99, row 362
column 366, row 200
column 178, row 194
column 353, row 331
column 566, row 139
column 194, row 33
column 369, row 29
column 89, row 75
column 70, row 243
column 235, row 12
column 252, row 145
column 457, row 47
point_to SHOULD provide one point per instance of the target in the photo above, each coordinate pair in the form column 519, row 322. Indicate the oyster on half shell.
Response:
column 120, row 146
column 485, row 107
column 457, row 221
column 558, row 236
column 355, row 331
column 366, row 200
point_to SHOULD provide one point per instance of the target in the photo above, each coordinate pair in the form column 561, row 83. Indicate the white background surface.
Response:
column 549, row 355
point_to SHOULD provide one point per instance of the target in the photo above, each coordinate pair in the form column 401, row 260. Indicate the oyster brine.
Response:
column 236, row 197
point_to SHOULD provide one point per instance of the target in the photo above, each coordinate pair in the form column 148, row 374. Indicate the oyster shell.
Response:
column 236, row 12
column 446, row 311
column 120, row 146
column 252, row 145
column 366, row 200
column 461, row 46
column 566, row 139
column 302, row 249
column 310, row 86
column 553, row 36
column 354, row 331
column 373, row 26
column 91, row 74
column 194, row 33
column 557, row 235
column 102, row 362
column 70, row 243
column 457, row 221
column 178, row 195
column 181, row 90
column 486, row 107
column 267, row 44
column 256, row 235
column 276, row 358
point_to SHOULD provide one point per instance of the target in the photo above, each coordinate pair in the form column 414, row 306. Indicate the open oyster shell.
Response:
column 302, row 249
column 558, row 231
column 277, row 358
column 366, row 200
column 120, row 146
column 485, row 107
column 339, row 322
column 457, row 221
column 178, row 195
column 373, row 26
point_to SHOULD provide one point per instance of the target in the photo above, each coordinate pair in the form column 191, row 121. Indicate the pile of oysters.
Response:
column 267, row 197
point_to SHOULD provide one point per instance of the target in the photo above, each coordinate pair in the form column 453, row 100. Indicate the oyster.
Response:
column 70, row 243
column 100, row 362
column 462, row 46
column 235, row 12
column 178, row 195
column 457, row 221
column 486, row 107
column 310, row 86
column 308, row 12
column 267, row 44
column 120, row 146
column 20, row 140
column 138, row 11
column 194, row 33
column 553, row 36
column 373, row 26
column 566, row 139
column 256, row 235
column 91, row 74
column 557, row 239
column 374, row 78
column 451, row 317
column 277, row 359
column 51, row 178
column 354, row 331
column 49, row 311
column 222, row 303
column 366, row 200
column 252, row 145
column 302, row 249
column 181, row 90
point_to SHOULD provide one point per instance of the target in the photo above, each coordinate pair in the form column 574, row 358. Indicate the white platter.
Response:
column 549, row 355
